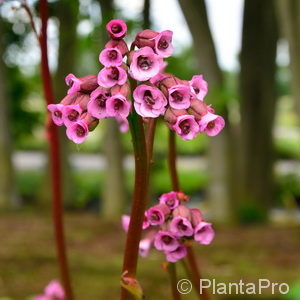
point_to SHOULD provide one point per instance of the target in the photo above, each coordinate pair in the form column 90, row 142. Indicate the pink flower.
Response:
column 196, row 216
column 108, row 77
column 77, row 132
column 156, row 214
column 71, row 113
column 186, row 127
column 53, row 291
column 181, row 226
column 116, row 28
column 110, row 57
column 179, row 253
column 145, row 64
column 165, row 241
column 126, row 221
column 123, row 124
column 170, row 199
column 199, row 86
column 56, row 113
column 97, row 105
column 211, row 124
column 163, row 43
column 73, row 82
column 146, row 243
column 204, row 233
column 149, row 101
column 118, row 105
column 118, row 44
column 179, row 96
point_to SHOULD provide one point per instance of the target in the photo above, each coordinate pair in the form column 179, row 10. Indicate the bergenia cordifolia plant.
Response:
column 134, row 88
column 171, row 225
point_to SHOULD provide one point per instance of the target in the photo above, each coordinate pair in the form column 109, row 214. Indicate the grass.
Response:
column 27, row 257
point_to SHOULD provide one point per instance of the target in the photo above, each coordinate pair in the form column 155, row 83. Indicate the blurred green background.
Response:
column 246, row 180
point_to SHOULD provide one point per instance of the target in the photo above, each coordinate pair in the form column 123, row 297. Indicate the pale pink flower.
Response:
column 156, row 214
column 77, row 132
column 186, row 127
column 145, row 64
column 181, row 226
column 179, row 253
column 56, row 113
column 116, row 28
column 126, row 221
column 53, row 291
column 179, row 96
column 165, row 241
column 211, row 124
column 204, row 233
column 123, row 124
column 110, row 57
column 97, row 104
column 146, row 243
column 118, row 106
column 108, row 77
column 149, row 101
column 71, row 113
column 170, row 199
column 73, row 82
column 163, row 43
column 199, row 86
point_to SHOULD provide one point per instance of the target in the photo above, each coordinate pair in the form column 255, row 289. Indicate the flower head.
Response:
column 110, row 57
column 177, row 254
column 149, row 101
column 199, row 86
column 163, row 43
column 97, row 105
column 179, row 96
column 186, row 127
column 145, row 64
column 170, row 199
column 56, row 113
column 108, row 77
column 204, row 233
column 118, row 105
column 71, row 113
column 77, row 132
column 73, row 82
column 165, row 241
column 156, row 214
column 181, row 226
column 211, row 124
column 116, row 28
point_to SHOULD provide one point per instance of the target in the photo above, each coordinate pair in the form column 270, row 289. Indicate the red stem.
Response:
column 54, row 158
column 173, row 280
column 193, row 267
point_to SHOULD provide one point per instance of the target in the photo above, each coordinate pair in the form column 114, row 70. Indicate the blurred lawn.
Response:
column 27, row 257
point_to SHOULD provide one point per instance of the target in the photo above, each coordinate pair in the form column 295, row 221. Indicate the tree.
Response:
column 258, row 100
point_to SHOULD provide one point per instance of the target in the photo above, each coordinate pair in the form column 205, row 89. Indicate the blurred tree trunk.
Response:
column 289, row 16
column 8, row 197
column 258, row 99
column 218, row 153
column 114, row 190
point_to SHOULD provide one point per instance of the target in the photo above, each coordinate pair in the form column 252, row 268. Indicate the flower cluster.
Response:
column 53, row 291
column 171, row 226
column 94, row 97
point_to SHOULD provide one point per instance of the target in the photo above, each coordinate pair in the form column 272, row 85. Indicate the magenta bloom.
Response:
column 165, row 241
column 53, row 291
column 170, row 199
column 110, row 57
column 73, row 82
column 179, row 96
column 149, row 101
column 163, row 43
column 116, row 28
column 118, row 105
column 156, row 214
column 123, row 124
column 97, row 105
column 181, row 226
column 204, row 233
column 199, row 86
column 179, row 253
column 108, row 77
column 71, row 113
column 186, row 127
column 145, row 64
column 77, row 132
column 211, row 124
column 56, row 113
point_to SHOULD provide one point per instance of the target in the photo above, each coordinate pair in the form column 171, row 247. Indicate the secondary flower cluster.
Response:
column 94, row 97
column 53, row 291
column 171, row 226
